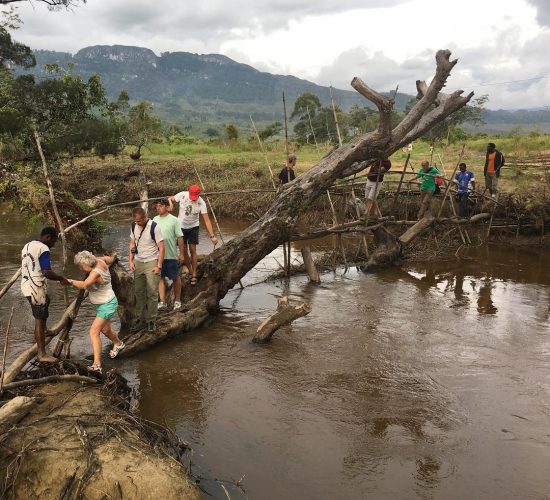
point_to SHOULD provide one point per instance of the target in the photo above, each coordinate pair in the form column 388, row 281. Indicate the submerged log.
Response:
column 310, row 266
column 284, row 315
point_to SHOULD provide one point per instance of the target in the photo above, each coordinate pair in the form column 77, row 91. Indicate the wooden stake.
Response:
column 264, row 153
column 400, row 182
column 286, row 127
column 335, row 117
column 447, row 187
column 8, row 285
column 6, row 349
column 310, row 266
column 54, row 207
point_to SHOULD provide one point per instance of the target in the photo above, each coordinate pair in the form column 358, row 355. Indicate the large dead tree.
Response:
column 226, row 266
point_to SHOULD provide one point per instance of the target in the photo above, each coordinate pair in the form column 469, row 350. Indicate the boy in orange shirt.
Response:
column 494, row 161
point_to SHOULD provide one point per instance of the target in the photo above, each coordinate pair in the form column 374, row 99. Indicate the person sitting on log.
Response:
column 173, row 240
column 287, row 174
column 102, row 296
column 428, row 174
column 463, row 179
column 191, row 206
column 375, row 179
column 35, row 269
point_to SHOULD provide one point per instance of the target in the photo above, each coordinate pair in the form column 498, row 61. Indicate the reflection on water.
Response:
column 426, row 381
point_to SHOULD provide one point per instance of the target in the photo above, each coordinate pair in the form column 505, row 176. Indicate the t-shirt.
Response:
column 189, row 210
column 491, row 163
column 463, row 179
column 285, row 173
column 428, row 179
column 147, row 247
column 171, row 231
column 374, row 174
column 35, row 257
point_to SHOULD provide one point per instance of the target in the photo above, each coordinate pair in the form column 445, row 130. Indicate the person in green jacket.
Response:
column 428, row 174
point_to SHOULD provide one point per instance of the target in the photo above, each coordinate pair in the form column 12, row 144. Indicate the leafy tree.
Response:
column 231, row 132
column 304, row 103
column 141, row 127
column 270, row 131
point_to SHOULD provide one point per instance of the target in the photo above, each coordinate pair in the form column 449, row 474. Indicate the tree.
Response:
column 212, row 132
column 270, row 131
column 231, row 132
column 141, row 127
column 304, row 103
column 52, row 4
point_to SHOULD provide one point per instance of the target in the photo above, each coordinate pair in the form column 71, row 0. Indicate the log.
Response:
column 49, row 379
column 223, row 269
column 284, row 315
column 14, row 410
column 11, row 281
column 310, row 266
column 102, row 199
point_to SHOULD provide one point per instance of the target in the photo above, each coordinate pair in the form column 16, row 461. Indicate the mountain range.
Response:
column 212, row 89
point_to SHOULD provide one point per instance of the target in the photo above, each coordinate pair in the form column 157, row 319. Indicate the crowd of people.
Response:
column 160, row 247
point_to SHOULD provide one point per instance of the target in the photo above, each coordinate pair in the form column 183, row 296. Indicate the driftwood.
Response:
column 14, row 410
column 24, row 357
column 310, row 266
column 49, row 379
column 102, row 199
column 11, row 281
column 284, row 315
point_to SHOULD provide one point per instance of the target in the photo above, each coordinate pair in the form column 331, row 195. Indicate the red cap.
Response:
column 194, row 192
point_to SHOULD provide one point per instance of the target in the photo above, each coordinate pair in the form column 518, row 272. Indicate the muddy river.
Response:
column 427, row 381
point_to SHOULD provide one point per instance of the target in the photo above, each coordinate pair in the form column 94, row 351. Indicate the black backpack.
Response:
column 152, row 229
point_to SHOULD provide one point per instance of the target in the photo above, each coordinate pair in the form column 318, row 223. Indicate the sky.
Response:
column 501, row 44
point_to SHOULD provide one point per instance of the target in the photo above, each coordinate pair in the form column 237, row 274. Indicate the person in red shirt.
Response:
column 494, row 161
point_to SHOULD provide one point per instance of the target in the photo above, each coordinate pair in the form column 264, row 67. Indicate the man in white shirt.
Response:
column 145, row 257
column 35, row 269
column 191, row 206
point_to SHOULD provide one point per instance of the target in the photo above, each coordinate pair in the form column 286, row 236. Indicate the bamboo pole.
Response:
column 264, row 153
column 447, row 187
column 6, row 349
column 11, row 281
column 335, row 117
column 286, row 247
column 400, row 182
column 286, row 126
column 363, row 237
column 54, row 207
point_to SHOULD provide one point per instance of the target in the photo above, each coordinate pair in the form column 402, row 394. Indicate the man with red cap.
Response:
column 191, row 206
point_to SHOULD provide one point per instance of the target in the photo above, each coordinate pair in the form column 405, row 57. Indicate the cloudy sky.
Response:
column 501, row 44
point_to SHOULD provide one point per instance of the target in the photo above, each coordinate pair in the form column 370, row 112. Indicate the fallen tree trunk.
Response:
column 14, row 410
column 223, row 269
column 284, row 315
column 102, row 199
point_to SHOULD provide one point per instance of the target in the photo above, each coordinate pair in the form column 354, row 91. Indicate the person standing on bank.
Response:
column 35, row 270
column 102, row 296
column 494, row 161
column 428, row 175
column 173, row 259
column 145, row 257
column 191, row 206
column 375, row 178
column 287, row 174
column 463, row 179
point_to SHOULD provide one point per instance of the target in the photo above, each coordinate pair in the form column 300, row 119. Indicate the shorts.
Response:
column 372, row 190
column 40, row 311
column 191, row 236
column 106, row 310
column 170, row 269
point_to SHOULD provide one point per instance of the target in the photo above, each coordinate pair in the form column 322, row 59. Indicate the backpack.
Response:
column 153, row 226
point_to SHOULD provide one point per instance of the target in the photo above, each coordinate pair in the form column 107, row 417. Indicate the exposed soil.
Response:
column 81, row 441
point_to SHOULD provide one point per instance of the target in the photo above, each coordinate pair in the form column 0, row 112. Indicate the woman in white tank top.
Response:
column 102, row 296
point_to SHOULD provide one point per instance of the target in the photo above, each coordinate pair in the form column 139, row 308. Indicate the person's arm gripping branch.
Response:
column 88, row 283
column 171, row 200
column 210, row 229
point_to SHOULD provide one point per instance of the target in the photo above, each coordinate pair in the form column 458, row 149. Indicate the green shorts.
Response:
column 107, row 310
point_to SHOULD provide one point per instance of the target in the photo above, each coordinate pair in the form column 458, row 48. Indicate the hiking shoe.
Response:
column 177, row 305
column 113, row 353
column 151, row 325
column 161, row 306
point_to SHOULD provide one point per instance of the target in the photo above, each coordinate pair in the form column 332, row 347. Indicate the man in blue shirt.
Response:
column 463, row 179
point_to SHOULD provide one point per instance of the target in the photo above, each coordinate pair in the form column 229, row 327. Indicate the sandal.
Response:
column 113, row 353
column 95, row 368
column 194, row 280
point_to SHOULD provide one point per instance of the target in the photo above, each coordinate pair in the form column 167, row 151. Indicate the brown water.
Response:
column 427, row 381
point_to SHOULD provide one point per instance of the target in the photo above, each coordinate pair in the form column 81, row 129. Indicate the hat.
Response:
column 164, row 201
column 194, row 192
